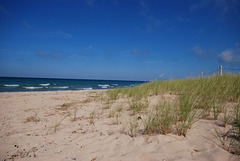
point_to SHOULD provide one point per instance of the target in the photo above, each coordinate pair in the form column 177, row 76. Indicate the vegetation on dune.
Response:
column 205, row 98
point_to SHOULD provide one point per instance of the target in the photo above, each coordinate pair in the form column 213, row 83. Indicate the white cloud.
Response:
column 226, row 56
column 47, row 54
column 198, row 51
column 85, row 51
column 60, row 33
column 73, row 55
column 230, row 55
column 136, row 52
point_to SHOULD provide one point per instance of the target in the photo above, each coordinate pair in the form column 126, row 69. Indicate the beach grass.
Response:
column 197, row 98
column 74, row 118
column 225, row 88
column 56, row 125
column 92, row 117
column 161, row 120
column 137, row 105
column 34, row 118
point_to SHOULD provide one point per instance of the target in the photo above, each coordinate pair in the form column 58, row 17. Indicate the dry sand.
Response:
column 27, row 131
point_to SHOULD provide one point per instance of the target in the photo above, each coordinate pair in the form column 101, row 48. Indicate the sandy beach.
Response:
column 77, row 125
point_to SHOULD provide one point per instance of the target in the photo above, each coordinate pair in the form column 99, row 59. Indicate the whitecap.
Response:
column 33, row 87
column 104, row 85
column 11, row 85
column 47, row 84
column 115, row 84
column 61, row 87
column 90, row 88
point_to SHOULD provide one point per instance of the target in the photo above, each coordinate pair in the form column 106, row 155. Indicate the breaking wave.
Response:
column 90, row 88
column 11, row 85
column 33, row 87
column 104, row 85
column 47, row 84
column 61, row 87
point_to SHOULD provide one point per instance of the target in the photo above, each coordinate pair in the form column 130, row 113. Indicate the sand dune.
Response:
column 27, row 131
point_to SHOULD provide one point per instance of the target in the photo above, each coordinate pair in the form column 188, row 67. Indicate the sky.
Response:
column 118, row 39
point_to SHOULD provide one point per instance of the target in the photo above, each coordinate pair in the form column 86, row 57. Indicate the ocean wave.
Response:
column 114, row 84
column 90, row 88
column 104, row 85
column 47, row 84
column 11, row 85
column 33, row 87
column 61, row 87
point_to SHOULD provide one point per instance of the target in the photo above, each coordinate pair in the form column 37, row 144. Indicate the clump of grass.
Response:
column 117, row 120
column 119, row 108
column 161, row 120
column 229, row 140
column 221, row 136
column 217, row 107
column 56, row 125
column 111, row 113
column 74, row 118
column 92, row 117
column 237, row 112
column 237, row 120
column 113, row 94
column 137, row 106
column 107, row 104
column 65, row 106
column 34, row 118
column 133, row 127
column 86, row 100
column 187, row 113
column 226, row 117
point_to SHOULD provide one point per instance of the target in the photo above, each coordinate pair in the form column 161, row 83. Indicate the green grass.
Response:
column 137, row 106
column 224, row 88
column 92, row 117
column 161, row 120
column 196, row 97
column 56, row 125
column 74, row 118
column 204, row 98
column 133, row 127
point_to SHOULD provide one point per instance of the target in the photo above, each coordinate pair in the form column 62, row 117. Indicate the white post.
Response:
column 220, row 70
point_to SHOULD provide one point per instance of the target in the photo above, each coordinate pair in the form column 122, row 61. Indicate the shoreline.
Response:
column 57, row 90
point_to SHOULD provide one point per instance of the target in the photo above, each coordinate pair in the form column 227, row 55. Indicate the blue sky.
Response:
column 118, row 39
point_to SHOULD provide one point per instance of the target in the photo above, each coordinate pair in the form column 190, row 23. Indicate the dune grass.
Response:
column 137, row 106
column 206, row 96
column 225, row 88
column 57, row 124
column 92, row 117
column 34, row 118
column 161, row 120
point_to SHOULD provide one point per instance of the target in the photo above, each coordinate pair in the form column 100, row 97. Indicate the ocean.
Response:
column 9, row 84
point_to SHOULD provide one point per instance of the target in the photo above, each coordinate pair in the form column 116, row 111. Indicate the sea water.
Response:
column 10, row 84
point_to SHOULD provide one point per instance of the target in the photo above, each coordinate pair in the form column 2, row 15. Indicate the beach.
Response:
column 77, row 125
